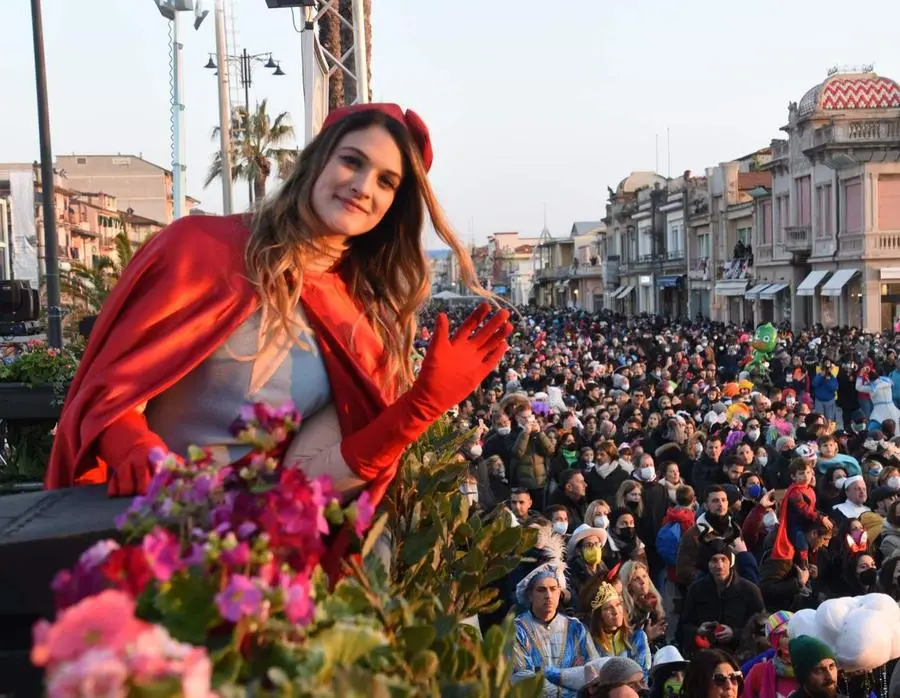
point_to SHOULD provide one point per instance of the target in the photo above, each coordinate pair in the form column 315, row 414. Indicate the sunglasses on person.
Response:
column 735, row 677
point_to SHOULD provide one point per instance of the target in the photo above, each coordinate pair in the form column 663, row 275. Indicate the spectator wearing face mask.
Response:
column 777, row 473
column 624, row 543
column 760, row 524
column 713, row 523
column 584, row 557
column 499, row 440
column 559, row 519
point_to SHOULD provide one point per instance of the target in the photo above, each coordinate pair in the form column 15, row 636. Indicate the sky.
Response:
column 532, row 106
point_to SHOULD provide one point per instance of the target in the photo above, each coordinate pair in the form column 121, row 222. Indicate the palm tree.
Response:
column 256, row 143
column 88, row 285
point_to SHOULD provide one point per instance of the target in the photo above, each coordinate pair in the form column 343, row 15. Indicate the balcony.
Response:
column 763, row 253
column 883, row 245
column 698, row 269
column 855, row 132
column 552, row 273
column 849, row 143
column 587, row 271
column 797, row 238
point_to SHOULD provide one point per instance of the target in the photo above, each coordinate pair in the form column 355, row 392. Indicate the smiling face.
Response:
column 359, row 182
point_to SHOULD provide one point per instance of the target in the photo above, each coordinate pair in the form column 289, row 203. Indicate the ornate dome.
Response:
column 639, row 180
column 861, row 89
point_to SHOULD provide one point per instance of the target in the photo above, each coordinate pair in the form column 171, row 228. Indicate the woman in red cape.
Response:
column 313, row 299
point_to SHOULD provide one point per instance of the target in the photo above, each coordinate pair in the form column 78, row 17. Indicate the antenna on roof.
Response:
column 656, row 168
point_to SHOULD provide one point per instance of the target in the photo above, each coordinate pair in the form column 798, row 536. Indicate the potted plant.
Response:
column 34, row 379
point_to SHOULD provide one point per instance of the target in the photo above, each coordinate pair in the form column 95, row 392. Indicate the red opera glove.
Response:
column 452, row 369
column 125, row 447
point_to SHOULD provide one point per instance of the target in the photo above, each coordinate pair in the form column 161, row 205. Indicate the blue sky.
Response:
column 529, row 103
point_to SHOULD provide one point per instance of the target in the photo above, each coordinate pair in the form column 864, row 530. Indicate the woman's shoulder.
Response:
column 212, row 238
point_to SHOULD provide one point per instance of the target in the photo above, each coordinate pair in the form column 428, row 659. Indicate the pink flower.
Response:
column 240, row 598
column 163, row 553
column 97, row 553
column 196, row 677
column 238, row 556
column 104, row 621
column 364, row 513
column 299, row 606
column 96, row 674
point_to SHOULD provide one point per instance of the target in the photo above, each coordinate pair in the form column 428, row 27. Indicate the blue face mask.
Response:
column 755, row 491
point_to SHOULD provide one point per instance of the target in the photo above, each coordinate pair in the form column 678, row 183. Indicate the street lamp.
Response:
column 170, row 9
column 245, row 63
column 51, row 241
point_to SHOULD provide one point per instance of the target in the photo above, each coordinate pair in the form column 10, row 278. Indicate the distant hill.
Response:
column 438, row 254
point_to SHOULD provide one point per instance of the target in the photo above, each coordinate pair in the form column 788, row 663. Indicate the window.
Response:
column 782, row 210
column 825, row 222
column 743, row 235
column 804, row 204
column 704, row 246
column 81, row 161
column 675, row 240
column 645, row 240
column 853, row 210
column 889, row 202
column 765, row 210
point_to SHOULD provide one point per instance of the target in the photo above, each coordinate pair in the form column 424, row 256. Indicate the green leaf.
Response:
column 374, row 533
column 345, row 643
column 417, row 546
column 505, row 541
column 417, row 637
column 424, row 665
column 187, row 606
column 473, row 561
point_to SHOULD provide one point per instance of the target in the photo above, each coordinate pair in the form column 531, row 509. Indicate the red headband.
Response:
column 413, row 122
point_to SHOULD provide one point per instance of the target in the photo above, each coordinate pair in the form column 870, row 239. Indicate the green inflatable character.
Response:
column 764, row 342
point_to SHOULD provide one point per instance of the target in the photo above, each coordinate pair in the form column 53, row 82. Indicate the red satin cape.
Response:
column 177, row 301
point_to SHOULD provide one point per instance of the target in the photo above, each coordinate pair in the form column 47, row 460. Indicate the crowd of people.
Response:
column 686, row 506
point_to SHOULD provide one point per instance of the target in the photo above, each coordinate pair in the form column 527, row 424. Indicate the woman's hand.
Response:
column 455, row 366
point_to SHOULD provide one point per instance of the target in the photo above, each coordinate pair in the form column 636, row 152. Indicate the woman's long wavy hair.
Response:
column 386, row 270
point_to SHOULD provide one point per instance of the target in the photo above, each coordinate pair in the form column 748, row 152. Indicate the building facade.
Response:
column 137, row 184
column 827, row 238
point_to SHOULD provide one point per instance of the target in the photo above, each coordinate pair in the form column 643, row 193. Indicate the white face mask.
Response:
column 560, row 527
column 753, row 434
column 698, row 450
column 475, row 451
column 770, row 520
column 601, row 521
column 839, row 483
column 762, row 460
column 647, row 474
column 894, row 482
column 504, row 430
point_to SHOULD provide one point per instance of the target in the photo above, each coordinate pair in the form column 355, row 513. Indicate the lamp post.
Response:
column 51, row 243
column 170, row 9
column 245, row 62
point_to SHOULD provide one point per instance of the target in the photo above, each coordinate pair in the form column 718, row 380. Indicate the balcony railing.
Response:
column 883, row 244
column 858, row 132
column 552, row 273
column 674, row 255
column 780, row 149
column 797, row 238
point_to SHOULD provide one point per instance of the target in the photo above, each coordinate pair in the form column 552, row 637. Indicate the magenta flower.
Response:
column 238, row 556
column 240, row 598
column 299, row 606
column 365, row 510
column 163, row 554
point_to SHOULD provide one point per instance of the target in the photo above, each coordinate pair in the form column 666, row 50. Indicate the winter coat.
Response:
column 732, row 605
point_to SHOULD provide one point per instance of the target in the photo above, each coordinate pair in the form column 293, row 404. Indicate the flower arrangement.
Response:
column 219, row 589
column 30, row 433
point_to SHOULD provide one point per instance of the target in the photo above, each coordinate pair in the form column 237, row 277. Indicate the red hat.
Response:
column 417, row 128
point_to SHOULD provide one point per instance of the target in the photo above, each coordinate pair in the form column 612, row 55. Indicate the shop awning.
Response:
column 669, row 281
column 836, row 283
column 618, row 292
column 754, row 292
column 625, row 292
column 769, row 292
column 809, row 285
column 736, row 287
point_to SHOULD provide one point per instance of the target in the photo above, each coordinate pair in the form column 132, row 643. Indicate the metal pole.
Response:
column 51, row 242
column 177, row 135
column 245, row 77
column 360, row 58
column 224, row 109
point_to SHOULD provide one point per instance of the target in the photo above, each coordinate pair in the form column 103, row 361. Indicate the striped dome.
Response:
column 842, row 91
